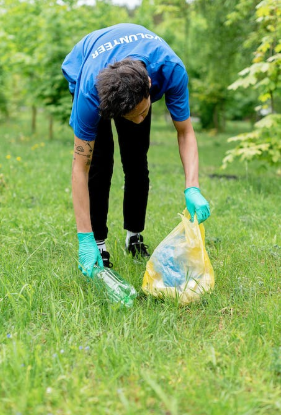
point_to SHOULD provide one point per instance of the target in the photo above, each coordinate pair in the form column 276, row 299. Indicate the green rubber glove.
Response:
column 196, row 204
column 89, row 253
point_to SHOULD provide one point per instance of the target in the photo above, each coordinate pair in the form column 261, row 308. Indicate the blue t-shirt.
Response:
column 102, row 47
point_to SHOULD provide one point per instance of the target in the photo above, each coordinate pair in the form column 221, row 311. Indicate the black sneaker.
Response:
column 137, row 248
column 106, row 259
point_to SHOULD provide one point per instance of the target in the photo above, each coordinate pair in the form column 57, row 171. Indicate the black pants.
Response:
column 134, row 144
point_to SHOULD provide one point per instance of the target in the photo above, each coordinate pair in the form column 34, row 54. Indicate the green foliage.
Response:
column 263, row 143
column 36, row 36
column 198, row 34
column 263, row 75
column 214, row 39
column 3, row 98
column 51, row 51
column 240, row 105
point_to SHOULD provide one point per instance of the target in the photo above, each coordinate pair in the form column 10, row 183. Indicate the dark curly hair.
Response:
column 121, row 87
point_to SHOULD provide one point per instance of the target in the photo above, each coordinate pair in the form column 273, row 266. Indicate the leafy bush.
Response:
column 264, row 76
column 263, row 143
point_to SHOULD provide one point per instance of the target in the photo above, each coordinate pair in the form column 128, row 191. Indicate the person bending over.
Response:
column 117, row 73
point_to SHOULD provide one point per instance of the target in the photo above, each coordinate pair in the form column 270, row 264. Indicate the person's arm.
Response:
column 89, row 253
column 81, row 164
column 195, row 202
column 188, row 151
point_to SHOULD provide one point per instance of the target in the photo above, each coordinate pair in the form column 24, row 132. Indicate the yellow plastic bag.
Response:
column 180, row 267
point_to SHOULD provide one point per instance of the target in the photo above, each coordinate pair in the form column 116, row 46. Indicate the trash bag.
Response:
column 180, row 267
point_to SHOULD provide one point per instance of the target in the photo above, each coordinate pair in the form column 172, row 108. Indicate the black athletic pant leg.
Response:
column 134, row 140
column 100, row 175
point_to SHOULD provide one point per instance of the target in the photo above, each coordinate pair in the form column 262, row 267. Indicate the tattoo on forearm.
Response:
column 84, row 150
column 89, row 146
column 84, row 155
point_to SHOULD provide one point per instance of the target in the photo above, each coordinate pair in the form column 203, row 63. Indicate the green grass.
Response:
column 63, row 351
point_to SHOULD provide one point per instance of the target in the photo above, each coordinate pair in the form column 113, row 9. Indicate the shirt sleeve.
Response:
column 72, row 64
column 177, row 95
column 85, row 116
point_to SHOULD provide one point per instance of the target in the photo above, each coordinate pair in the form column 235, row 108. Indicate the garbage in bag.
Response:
column 180, row 267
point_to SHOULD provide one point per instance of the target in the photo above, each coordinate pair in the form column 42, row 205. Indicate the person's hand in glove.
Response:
column 196, row 204
column 89, row 253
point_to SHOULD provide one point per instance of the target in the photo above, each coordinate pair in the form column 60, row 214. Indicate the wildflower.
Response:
column 61, row 351
column 8, row 156
column 55, row 355
column 80, row 347
column 9, row 335
column 87, row 348
column 19, row 159
column 49, row 390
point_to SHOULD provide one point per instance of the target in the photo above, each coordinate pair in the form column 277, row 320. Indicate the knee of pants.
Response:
column 138, row 176
column 101, row 169
column 137, row 181
column 136, row 168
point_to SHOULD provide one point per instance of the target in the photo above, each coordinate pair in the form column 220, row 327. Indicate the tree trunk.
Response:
column 222, row 116
column 33, row 119
column 50, row 127
column 215, row 118
column 271, row 102
column 186, row 40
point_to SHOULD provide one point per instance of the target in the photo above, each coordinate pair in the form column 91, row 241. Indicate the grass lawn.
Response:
column 65, row 352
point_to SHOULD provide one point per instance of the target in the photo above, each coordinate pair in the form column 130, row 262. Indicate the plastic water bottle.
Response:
column 116, row 288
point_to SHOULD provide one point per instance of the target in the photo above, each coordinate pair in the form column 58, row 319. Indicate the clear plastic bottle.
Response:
column 116, row 288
